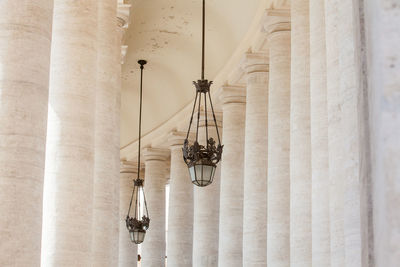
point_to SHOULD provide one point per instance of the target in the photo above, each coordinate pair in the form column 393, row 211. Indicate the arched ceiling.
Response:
column 167, row 33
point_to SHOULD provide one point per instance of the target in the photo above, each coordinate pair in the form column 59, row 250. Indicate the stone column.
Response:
column 206, row 209
column 334, row 145
column 319, row 137
column 25, row 40
column 348, row 135
column 232, row 169
column 105, row 172
column 127, row 249
column 180, row 217
column 278, row 249
column 256, row 161
column 300, row 138
column 153, row 247
column 384, row 82
column 68, row 190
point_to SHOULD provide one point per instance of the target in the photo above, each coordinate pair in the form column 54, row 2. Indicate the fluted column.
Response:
column 319, row 137
column 153, row 247
column 231, row 192
column 105, row 173
column 127, row 249
column 256, row 161
column 300, row 139
column 68, row 190
column 206, row 210
column 278, row 249
column 180, row 217
column 25, row 39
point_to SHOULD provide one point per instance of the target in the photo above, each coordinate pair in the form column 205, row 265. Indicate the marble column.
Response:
column 105, row 173
column 319, row 137
column 300, row 138
column 25, row 40
column 278, row 247
column 206, row 208
column 127, row 249
column 180, row 217
column 255, row 161
column 68, row 189
column 232, row 179
column 384, row 68
column 153, row 247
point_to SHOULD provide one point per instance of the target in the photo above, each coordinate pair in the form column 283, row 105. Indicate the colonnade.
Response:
column 309, row 174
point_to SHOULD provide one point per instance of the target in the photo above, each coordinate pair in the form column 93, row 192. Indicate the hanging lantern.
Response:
column 139, row 223
column 202, row 159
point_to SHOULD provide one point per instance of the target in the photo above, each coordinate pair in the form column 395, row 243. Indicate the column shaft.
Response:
column 231, row 194
column 25, row 40
column 68, row 191
column 127, row 249
column 180, row 217
column 105, row 172
column 348, row 138
column 319, row 137
column 206, row 212
column 300, row 139
column 334, row 145
column 256, row 162
column 153, row 247
column 383, row 54
column 278, row 249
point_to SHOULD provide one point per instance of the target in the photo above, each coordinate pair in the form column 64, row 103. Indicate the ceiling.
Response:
column 167, row 33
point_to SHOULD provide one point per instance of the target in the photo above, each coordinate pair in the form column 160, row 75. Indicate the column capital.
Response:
column 277, row 20
column 256, row 62
column 156, row 154
column 128, row 166
column 233, row 94
column 176, row 139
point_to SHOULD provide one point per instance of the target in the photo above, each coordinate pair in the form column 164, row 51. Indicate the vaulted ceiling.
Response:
column 167, row 33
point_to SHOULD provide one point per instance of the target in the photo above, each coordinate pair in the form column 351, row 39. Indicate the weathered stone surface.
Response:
column 153, row 247
column 278, row 247
column 180, row 217
column 255, row 161
column 231, row 194
column 68, row 191
column 319, row 137
column 25, row 40
column 300, row 139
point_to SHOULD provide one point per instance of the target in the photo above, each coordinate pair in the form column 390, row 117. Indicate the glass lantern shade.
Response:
column 202, row 174
column 137, row 235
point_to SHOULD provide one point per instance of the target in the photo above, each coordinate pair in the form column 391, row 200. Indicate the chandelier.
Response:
column 139, row 223
column 202, row 159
